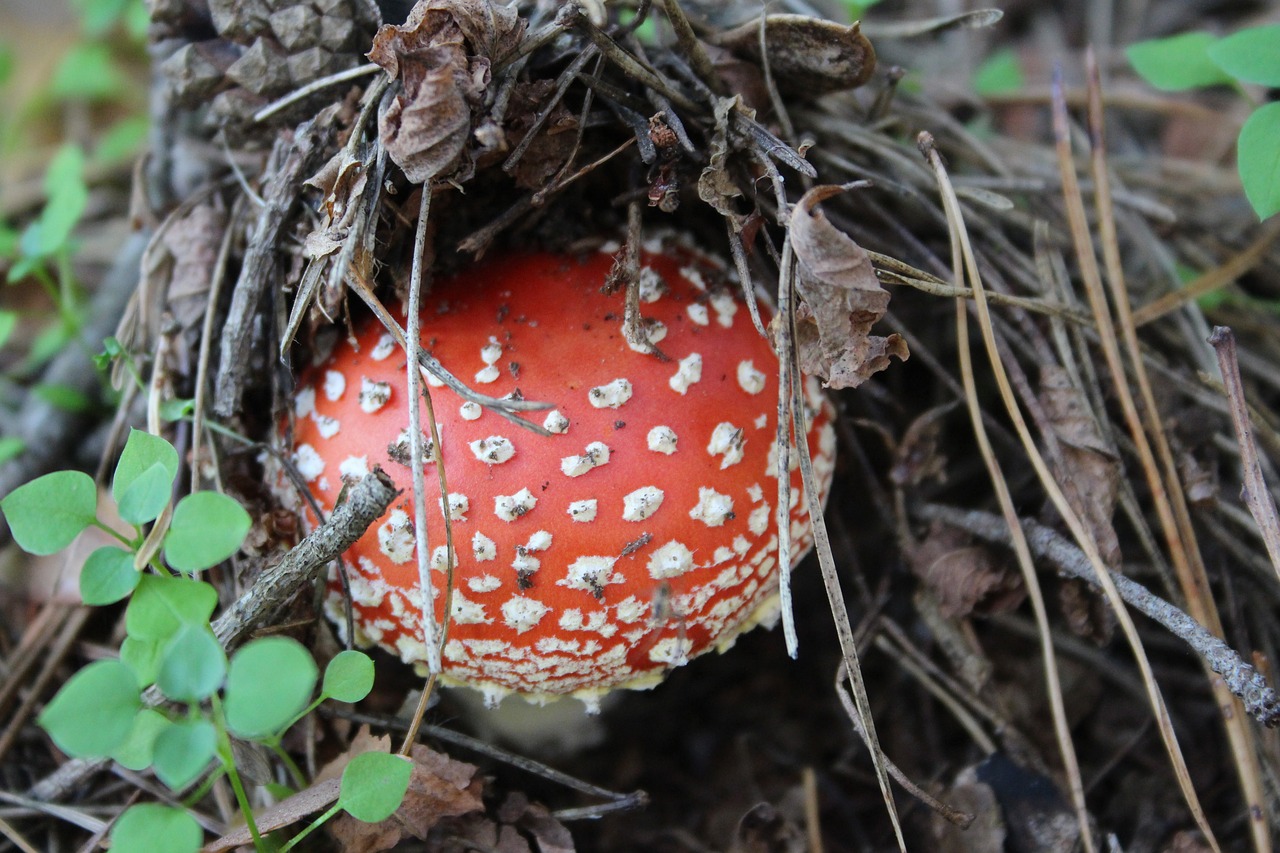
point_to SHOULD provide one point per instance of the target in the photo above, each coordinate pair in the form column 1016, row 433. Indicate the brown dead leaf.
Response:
column 193, row 242
column 548, row 151
column 1092, row 477
column 442, row 56
column 987, row 831
column 919, row 458
column 310, row 800
column 715, row 185
column 439, row 788
column 965, row 578
column 807, row 56
column 841, row 300
column 763, row 829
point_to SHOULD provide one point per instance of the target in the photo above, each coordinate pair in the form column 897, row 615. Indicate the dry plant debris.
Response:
column 1096, row 441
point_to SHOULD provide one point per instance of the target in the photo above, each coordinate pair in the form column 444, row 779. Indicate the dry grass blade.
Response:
column 959, row 253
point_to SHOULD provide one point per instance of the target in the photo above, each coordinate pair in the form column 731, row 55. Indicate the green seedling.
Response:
column 257, row 695
column 1250, row 56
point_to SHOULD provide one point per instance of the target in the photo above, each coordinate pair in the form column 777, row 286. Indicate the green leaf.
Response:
column 183, row 751
column 93, row 712
column 349, row 676
column 1258, row 158
column 8, row 322
column 192, row 665
column 141, row 451
column 147, row 827
column 108, row 576
column 269, row 681
column 46, row 514
column 10, row 447
column 63, row 397
column 1000, row 73
column 143, row 657
column 67, row 197
column 206, row 529
column 162, row 605
column 1177, row 62
column 137, row 749
column 99, row 16
column 373, row 785
column 7, row 63
column 89, row 73
column 1251, row 56
column 147, row 496
column 122, row 140
column 177, row 408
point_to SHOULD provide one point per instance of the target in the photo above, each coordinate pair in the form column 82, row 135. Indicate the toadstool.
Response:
column 639, row 534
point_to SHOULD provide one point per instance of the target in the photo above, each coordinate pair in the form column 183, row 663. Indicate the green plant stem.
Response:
column 312, row 827
column 299, row 778
column 229, row 764
column 132, row 545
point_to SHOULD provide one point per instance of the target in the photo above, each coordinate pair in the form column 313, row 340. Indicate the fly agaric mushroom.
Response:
column 639, row 534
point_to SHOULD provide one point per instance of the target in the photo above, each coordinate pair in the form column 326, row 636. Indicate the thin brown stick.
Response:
column 1254, row 492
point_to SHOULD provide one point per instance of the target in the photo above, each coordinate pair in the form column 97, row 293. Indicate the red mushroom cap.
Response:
column 639, row 535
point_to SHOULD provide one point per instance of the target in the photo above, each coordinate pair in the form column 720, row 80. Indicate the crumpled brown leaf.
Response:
column 987, row 832
column 763, row 829
column 439, row 788
column 1092, row 475
column 509, row 829
column 965, row 577
column 841, row 300
column 715, row 185
column 442, row 56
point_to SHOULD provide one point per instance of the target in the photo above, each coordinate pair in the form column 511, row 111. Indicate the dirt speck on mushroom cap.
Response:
column 599, row 556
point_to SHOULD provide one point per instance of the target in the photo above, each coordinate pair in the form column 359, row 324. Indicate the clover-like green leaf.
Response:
column 162, row 605
column 373, row 785
column 108, row 576
column 348, row 677
column 1258, row 158
column 46, row 514
column 206, row 529
column 182, row 752
column 93, row 712
column 142, row 452
column 1251, row 55
column 148, row 827
column 147, row 496
column 143, row 657
column 137, row 749
column 192, row 665
column 1176, row 62
column 269, row 681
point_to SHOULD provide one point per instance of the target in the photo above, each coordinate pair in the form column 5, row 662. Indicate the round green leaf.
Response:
column 147, row 496
column 182, row 752
column 137, row 749
column 1258, row 158
column 269, row 681
column 93, row 712
column 141, row 452
column 206, row 529
column 161, row 605
column 373, row 785
column 148, row 827
column 1177, row 62
column 192, row 665
column 348, row 677
column 50, row 511
column 108, row 576
column 1000, row 73
column 143, row 657
column 1251, row 56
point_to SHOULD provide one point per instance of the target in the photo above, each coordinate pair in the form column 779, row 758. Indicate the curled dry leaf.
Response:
column 550, row 149
column 764, row 829
column 807, row 56
column 510, row 827
column 442, row 55
column 841, row 300
column 715, row 185
column 965, row 578
column 193, row 242
column 342, row 180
